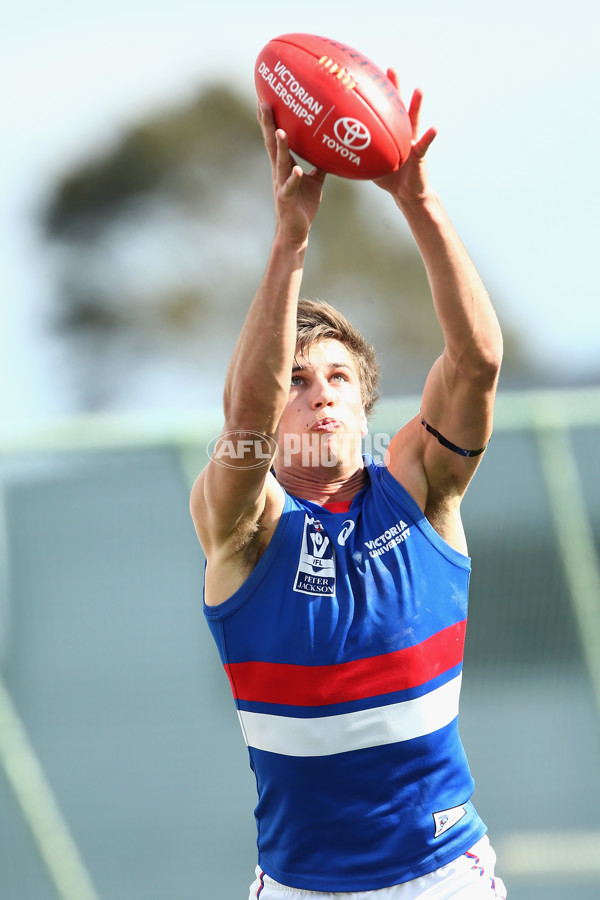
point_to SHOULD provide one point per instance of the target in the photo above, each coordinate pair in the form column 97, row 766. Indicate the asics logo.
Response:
column 347, row 529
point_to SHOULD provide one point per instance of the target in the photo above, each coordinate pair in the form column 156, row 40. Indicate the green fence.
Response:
column 123, row 773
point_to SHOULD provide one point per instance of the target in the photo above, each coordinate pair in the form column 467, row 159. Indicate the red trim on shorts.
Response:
column 477, row 865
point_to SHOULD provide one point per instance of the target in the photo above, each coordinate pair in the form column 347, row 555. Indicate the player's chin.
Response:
column 339, row 448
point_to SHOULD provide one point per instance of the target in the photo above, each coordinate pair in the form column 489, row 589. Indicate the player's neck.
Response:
column 322, row 485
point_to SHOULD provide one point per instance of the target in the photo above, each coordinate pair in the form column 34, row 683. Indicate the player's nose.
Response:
column 322, row 393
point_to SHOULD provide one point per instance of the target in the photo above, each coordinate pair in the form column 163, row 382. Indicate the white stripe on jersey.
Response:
column 374, row 727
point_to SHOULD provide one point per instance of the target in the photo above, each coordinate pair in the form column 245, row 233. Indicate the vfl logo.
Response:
column 316, row 567
column 352, row 133
column 347, row 529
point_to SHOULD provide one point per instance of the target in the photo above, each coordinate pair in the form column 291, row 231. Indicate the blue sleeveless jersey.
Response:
column 344, row 652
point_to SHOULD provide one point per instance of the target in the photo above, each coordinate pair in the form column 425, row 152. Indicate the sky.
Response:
column 511, row 86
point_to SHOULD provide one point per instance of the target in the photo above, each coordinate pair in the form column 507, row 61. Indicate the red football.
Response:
column 339, row 110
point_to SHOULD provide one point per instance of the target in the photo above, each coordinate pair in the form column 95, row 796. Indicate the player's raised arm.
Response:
column 458, row 399
column 231, row 493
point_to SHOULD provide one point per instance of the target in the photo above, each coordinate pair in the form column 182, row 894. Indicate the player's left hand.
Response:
column 410, row 183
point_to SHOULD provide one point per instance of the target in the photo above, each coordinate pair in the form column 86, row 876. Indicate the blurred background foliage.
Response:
column 159, row 244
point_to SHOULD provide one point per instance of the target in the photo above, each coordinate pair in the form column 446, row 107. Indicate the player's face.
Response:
column 325, row 408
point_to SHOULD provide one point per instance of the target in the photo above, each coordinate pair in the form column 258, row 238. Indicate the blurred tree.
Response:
column 161, row 242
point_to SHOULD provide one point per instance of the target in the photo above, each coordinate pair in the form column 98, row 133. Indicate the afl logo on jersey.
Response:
column 316, row 565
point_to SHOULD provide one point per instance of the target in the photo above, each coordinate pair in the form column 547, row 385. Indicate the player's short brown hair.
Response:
column 319, row 321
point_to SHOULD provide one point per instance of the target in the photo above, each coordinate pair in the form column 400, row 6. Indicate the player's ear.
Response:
column 364, row 425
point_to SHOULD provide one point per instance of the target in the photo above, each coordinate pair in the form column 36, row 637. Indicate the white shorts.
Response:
column 470, row 877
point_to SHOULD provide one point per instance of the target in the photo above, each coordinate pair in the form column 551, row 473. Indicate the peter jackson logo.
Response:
column 316, row 566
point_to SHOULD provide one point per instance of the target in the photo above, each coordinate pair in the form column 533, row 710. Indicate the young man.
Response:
column 336, row 590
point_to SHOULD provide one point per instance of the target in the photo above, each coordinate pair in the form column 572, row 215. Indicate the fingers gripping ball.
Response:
column 339, row 110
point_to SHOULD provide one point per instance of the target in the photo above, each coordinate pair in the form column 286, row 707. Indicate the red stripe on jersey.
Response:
column 264, row 682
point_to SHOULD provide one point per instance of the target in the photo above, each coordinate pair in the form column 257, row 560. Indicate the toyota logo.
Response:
column 352, row 133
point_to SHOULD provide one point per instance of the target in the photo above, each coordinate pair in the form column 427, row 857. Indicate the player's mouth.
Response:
column 327, row 425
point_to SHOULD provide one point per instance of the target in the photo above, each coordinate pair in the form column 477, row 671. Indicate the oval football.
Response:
column 340, row 111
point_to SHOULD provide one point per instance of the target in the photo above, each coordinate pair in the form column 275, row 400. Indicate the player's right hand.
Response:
column 297, row 194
